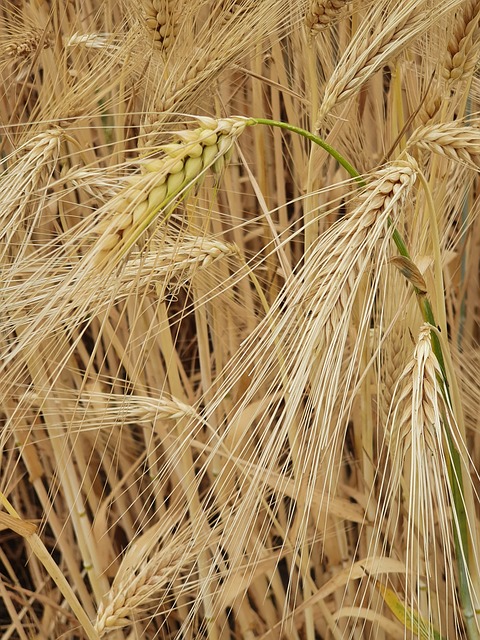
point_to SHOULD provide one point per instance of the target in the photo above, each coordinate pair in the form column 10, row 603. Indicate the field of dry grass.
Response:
column 239, row 319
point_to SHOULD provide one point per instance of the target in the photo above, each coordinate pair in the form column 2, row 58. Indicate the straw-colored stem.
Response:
column 52, row 569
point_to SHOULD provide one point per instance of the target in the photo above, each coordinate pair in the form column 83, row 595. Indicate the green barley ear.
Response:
column 163, row 182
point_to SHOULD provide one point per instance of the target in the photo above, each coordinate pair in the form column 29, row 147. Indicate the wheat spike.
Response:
column 97, row 405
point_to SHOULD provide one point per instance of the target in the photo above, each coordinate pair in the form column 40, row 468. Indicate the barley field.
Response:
column 239, row 319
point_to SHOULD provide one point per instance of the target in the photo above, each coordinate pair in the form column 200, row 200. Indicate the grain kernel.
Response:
column 157, row 196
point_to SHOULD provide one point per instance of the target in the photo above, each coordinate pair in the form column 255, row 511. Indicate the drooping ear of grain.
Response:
column 384, row 33
column 420, row 463
column 299, row 349
column 451, row 140
column 164, row 181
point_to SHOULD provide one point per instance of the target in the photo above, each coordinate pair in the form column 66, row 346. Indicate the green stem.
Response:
column 313, row 138
column 460, row 536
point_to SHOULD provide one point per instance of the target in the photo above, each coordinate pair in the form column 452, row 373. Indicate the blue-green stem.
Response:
column 321, row 143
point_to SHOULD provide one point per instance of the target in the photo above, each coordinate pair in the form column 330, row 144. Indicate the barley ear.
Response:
column 164, row 182
column 322, row 13
column 463, row 47
column 162, row 20
column 450, row 140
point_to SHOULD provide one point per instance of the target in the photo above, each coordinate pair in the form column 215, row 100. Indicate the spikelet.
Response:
column 431, row 106
column 165, row 180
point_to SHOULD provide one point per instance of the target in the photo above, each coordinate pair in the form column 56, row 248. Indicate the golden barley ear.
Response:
column 322, row 13
column 163, row 22
column 415, row 429
column 450, row 140
column 463, row 46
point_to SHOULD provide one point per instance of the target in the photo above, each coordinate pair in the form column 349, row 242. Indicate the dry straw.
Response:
column 224, row 416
